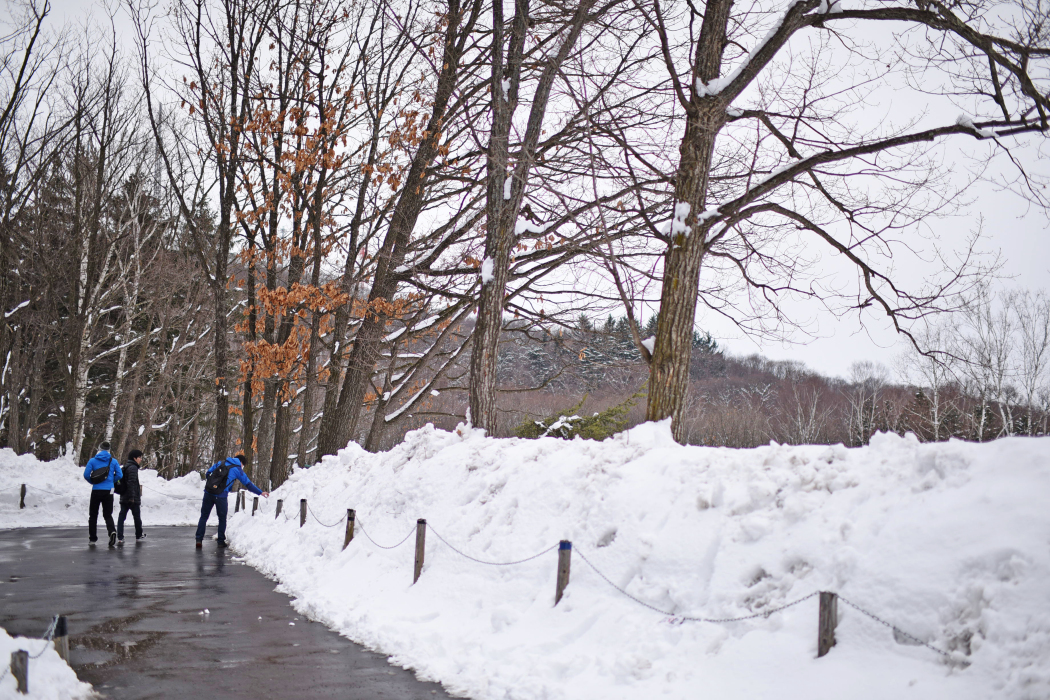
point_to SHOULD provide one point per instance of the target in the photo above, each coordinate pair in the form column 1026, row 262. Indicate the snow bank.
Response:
column 946, row 541
column 49, row 676
column 56, row 494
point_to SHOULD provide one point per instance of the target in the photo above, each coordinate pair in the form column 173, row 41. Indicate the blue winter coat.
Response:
column 235, row 474
column 97, row 462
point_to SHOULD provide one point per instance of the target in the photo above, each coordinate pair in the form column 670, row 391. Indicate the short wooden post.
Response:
column 302, row 512
column 62, row 638
column 237, row 502
column 255, row 505
column 244, row 500
column 280, row 504
column 349, row 527
column 829, row 620
column 421, row 538
column 564, row 559
column 20, row 670
column 22, row 497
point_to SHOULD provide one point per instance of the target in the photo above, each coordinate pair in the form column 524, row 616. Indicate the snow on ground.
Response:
column 49, row 676
column 57, row 494
column 949, row 542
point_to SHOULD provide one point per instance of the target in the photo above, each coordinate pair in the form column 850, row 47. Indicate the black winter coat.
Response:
column 133, row 492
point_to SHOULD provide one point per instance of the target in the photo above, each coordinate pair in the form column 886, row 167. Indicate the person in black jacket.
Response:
column 131, row 497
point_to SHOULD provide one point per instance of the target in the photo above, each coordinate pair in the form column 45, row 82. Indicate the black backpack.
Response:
column 120, row 486
column 216, row 481
column 97, row 476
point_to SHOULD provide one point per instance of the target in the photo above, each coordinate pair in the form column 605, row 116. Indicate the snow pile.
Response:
column 56, row 494
column 49, row 676
column 949, row 542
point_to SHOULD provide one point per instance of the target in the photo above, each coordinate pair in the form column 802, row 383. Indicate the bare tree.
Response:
column 755, row 183
column 985, row 342
column 868, row 379
column 930, row 366
column 220, row 46
column 1033, row 372
column 505, row 191
column 458, row 36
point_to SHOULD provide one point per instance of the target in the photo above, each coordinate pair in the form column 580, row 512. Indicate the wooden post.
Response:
column 20, row 670
column 421, row 538
column 62, row 638
column 349, row 527
column 564, row 559
column 244, row 500
column 22, row 497
column 237, row 502
column 255, row 505
column 302, row 512
column 829, row 620
column 280, row 504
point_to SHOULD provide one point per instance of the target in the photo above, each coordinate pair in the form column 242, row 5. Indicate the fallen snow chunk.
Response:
column 486, row 270
column 678, row 224
column 649, row 344
column 524, row 225
column 9, row 314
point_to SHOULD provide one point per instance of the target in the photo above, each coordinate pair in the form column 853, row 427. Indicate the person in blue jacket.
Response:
column 218, row 500
column 102, row 493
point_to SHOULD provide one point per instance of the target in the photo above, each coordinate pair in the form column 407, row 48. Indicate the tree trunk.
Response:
column 504, row 199
column 222, row 389
column 498, row 214
column 14, row 400
column 262, row 457
column 132, row 402
column 282, row 424
column 36, row 390
column 669, row 378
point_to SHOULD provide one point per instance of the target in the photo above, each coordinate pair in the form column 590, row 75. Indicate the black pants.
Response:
column 125, row 506
column 104, row 499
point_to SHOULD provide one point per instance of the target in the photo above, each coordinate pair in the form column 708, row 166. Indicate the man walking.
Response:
column 131, row 496
column 219, row 479
column 100, row 472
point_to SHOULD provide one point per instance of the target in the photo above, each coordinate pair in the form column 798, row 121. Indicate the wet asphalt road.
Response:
column 136, row 631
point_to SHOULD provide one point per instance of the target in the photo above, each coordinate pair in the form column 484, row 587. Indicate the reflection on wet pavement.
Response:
column 138, row 627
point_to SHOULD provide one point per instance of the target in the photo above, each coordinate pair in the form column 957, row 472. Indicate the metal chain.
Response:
column 489, row 563
column 177, row 498
column 311, row 512
column 896, row 630
column 362, row 528
column 30, row 487
column 48, row 636
column 678, row 619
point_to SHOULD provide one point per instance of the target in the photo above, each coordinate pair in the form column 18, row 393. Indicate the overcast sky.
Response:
column 1013, row 229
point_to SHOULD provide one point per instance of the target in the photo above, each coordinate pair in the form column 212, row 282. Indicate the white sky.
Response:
column 1012, row 229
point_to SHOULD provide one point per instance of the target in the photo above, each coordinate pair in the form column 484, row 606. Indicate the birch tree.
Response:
column 1033, row 372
